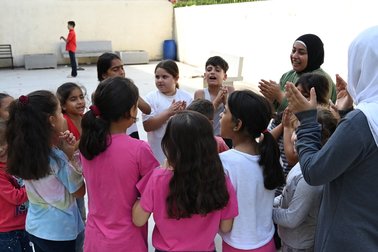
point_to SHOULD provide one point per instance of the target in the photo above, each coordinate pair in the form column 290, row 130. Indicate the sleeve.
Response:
column 10, row 191
column 299, row 206
column 231, row 209
column 149, row 99
column 147, row 160
column 344, row 147
column 67, row 174
column 147, row 198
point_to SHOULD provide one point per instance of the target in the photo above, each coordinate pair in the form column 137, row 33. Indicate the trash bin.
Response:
column 169, row 49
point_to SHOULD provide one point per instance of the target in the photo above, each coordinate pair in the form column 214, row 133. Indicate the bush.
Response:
column 183, row 3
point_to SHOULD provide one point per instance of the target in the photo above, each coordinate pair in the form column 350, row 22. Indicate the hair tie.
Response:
column 265, row 131
column 23, row 99
column 95, row 110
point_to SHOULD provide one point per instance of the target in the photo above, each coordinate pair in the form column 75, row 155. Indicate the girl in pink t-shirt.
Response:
column 113, row 162
column 190, row 196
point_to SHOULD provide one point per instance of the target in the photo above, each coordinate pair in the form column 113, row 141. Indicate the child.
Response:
column 71, row 47
column 72, row 102
column 113, row 163
column 5, row 101
column 165, row 102
column 298, row 208
column 190, row 196
column 216, row 92
column 206, row 108
column 52, row 182
column 254, row 169
column 110, row 65
column 13, row 205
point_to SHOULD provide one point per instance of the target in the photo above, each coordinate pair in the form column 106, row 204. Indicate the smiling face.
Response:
column 299, row 57
column 115, row 70
column 165, row 82
column 215, row 75
column 75, row 103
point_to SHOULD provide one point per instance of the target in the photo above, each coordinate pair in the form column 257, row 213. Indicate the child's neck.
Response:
column 245, row 144
column 120, row 126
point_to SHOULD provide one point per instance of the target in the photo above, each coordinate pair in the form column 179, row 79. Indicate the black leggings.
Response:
column 42, row 245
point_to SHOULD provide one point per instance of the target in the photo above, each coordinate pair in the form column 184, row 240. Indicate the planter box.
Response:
column 35, row 61
column 133, row 57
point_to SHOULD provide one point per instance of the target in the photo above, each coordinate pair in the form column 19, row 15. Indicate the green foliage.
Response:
column 183, row 3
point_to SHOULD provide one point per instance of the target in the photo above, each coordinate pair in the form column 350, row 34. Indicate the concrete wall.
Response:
column 263, row 32
column 34, row 26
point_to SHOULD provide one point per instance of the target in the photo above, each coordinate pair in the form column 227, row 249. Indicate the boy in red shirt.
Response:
column 13, row 205
column 71, row 47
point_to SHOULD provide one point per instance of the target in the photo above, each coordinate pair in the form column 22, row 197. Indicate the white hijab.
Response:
column 363, row 76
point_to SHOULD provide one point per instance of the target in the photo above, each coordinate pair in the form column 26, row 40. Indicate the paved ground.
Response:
column 20, row 81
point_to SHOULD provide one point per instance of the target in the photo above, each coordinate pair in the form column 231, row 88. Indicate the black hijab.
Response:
column 315, row 51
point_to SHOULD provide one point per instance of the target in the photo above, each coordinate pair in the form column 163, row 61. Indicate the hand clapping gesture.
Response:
column 271, row 90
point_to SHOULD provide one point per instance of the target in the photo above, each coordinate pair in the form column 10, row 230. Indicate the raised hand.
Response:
column 67, row 143
column 296, row 101
column 271, row 90
column 343, row 101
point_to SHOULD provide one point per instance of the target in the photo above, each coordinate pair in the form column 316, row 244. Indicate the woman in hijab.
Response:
column 307, row 55
column 347, row 164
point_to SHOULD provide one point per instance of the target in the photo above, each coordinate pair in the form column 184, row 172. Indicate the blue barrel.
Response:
column 169, row 49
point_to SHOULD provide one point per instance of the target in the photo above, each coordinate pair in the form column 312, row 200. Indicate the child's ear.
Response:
column 52, row 120
column 238, row 125
column 225, row 77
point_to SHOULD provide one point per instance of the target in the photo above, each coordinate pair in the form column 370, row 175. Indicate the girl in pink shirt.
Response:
column 113, row 162
column 190, row 196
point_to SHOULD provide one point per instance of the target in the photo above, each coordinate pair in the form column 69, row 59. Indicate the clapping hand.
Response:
column 271, row 90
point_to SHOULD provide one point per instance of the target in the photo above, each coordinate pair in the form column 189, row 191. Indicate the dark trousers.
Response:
column 15, row 241
column 73, row 63
column 42, row 245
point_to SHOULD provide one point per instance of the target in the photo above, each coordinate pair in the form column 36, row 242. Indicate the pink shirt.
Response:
column 222, row 146
column 110, row 179
column 196, row 233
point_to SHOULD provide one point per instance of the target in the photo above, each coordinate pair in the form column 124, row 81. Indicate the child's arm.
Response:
column 81, row 192
column 225, row 226
column 144, row 106
column 9, row 191
column 157, row 121
column 140, row 217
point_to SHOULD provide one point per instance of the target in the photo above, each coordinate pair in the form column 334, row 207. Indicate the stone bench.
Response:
column 90, row 48
column 37, row 61
column 132, row 57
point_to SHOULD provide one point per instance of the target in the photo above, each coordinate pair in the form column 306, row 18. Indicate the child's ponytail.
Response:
column 94, row 139
column 269, row 159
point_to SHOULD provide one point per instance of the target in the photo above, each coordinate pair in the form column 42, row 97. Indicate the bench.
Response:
column 6, row 52
column 90, row 48
column 42, row 60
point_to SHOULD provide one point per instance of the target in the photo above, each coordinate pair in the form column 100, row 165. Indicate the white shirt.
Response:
column 253, row 227
column 160, row 102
